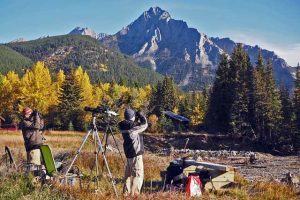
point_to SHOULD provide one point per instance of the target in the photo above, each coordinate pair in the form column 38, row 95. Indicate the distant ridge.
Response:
column 70, row 51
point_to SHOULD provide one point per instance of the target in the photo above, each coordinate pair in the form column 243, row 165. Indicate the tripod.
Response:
column 98, row 148
column 108, row 130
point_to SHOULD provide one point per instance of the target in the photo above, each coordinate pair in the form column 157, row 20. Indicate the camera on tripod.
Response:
column 100, row 109
column 100, row 146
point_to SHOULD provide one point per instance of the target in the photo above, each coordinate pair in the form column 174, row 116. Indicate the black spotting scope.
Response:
column 98, row 109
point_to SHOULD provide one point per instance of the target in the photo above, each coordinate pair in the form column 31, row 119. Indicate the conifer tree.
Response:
column 267, row 103
column 184, row 106
column 1, row 79
column 239, row 114
column 219, row 107
column 164, row 97
column 259, row 97
column 287, row 114
column 70, row 99
column 273, row 113
column 260, row 64
column 296, row 139
column 251, row 98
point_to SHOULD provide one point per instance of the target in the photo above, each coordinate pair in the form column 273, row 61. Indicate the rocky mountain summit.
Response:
column 168, row 46
column 87, row 31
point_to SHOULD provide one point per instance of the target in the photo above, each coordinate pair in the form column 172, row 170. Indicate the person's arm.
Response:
column 142, row 126
column 35, row 123
column 27, row 124
column 38, row 122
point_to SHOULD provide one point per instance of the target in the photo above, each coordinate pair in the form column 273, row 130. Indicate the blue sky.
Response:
column 272, row 24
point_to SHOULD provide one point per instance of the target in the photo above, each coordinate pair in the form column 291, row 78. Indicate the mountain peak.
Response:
column 88, row 31
column 83, row 31
column 169, row 46
column 157, row 12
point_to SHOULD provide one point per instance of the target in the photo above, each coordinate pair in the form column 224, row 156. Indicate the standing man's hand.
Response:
column 139, row 114
column 35, row 114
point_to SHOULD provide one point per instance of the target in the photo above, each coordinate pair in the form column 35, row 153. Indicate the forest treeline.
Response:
column 244, row 101
column 61, row 99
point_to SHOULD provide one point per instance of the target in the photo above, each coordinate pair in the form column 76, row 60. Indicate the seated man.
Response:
column 31, row 129
column 131, row 128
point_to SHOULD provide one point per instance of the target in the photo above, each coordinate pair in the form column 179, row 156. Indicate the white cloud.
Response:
column 289, row 52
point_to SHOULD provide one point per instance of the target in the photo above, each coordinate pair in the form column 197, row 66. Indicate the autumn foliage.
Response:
column 61, row 97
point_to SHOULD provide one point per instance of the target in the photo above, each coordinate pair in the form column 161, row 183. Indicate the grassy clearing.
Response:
column 20, row 186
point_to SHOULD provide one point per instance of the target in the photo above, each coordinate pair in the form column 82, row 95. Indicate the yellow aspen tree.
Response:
column 83, row 80
column 37, row 90
column 148, row 91
column 139, row 98
column 197, row 110
column 153, row 120
column 97, row 94
column 60, row 78
column 176, row 108
column 117, row 91
column 9, row 95
column 105, row 98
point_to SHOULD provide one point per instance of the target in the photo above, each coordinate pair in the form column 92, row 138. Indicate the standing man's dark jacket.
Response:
column 31, row 129
column 133, row 140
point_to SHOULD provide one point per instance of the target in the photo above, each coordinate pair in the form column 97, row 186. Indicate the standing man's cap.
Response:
column 27, row 111
column 129, row 114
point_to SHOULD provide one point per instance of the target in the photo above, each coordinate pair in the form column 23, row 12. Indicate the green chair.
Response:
column 51, row 169
column 48, row 160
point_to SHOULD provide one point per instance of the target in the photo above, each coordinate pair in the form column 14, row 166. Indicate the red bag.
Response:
column 194, row 186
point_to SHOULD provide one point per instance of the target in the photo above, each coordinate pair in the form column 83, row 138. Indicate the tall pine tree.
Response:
column 267, row 103
column 273, row 113
column 296, row 138
column 164, row 97
column 287, row 114
column 70, row 99
column 259, row 97
column 239, row 113
column 220, row 101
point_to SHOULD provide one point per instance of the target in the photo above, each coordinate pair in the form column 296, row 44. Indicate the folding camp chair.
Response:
column 51, row 168
column 48, row 160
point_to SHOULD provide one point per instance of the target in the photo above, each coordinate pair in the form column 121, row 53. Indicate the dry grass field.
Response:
column 17, row 185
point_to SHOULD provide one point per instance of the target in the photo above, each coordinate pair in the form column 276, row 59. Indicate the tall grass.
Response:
column 17, row 186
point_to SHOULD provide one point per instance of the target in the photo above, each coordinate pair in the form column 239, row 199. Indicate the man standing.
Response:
column 32, row 134
column 131, row 128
